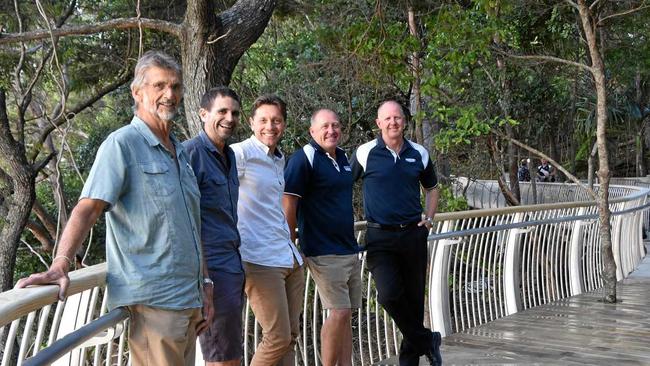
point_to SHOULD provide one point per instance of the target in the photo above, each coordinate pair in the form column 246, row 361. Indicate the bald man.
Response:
column 318, row 200
column 393, row 169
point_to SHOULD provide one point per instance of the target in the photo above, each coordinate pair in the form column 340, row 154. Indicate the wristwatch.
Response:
column 208, row 281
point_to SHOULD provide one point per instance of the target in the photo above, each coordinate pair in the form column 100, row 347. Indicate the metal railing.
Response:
column 483, row 264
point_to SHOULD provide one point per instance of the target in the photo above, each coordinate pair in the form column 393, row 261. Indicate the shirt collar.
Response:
column 265, row 149
column 209, row 144
column 382, row 144
column 151, row 139
column 145, row 131
column 319, row 148
column 316, row 146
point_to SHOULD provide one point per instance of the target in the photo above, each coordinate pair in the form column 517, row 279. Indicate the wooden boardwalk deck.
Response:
column 581, row 330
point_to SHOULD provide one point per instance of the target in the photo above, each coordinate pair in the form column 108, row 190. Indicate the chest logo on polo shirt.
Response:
column 410, row 160
column 347, row 168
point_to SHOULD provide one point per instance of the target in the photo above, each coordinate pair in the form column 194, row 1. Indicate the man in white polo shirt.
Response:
column 275, row 279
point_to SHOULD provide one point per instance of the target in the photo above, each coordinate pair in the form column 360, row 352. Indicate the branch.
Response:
column 6, row 138
column 505, row 190
column 24, row 104
column 630, row 11
column 548, row 59
column 37, row 167
column 40, row 258
column 241, row 26
column 41, row 234
column 593, row 5
column 553, row 162
column 45, row 218
column 126, row 76
column 572, row 4
column 120, row 23
column 68, row 12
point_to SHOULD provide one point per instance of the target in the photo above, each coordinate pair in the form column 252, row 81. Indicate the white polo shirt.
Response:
column 263, row 228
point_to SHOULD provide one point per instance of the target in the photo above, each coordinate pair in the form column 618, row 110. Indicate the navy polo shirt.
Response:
column 324, row 185
column 216, row 176
column 391, row 181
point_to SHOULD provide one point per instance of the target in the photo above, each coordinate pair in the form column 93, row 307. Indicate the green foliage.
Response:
column 448, row 202
column 351, row 55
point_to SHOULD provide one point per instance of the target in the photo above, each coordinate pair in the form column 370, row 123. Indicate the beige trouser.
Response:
column 162, row 337
column 275, row 295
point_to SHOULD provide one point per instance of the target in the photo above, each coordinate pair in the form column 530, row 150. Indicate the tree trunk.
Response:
column 598, row 72
column 415, row 97
column 20, row 202
column 640, row 144
column 640, row 153
column 505, row 102
column 211, row 46
column 590, row 165
column 510, row 198
column 19, row 210
column 533, row 180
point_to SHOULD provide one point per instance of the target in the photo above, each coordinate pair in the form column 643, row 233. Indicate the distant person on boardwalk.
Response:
column 275, row 280
column 213, row 162
column 318, row 200
column 143, row 180
column 523, row 173
column 393, row 170
column 546, row 172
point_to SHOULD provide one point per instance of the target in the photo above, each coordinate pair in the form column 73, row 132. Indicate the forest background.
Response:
column 480, row 79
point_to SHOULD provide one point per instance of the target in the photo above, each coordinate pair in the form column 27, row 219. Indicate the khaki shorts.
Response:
column 338, row 278
column 162, row 337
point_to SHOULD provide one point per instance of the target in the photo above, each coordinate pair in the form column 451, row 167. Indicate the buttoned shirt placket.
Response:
column 336, row 165
column 179, row 176
column 279, row 174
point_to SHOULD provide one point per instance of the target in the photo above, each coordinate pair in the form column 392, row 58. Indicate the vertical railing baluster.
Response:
column 511, row 277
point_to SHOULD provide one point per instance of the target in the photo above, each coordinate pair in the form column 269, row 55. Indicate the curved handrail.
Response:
column 76, row 339
column 19, row 302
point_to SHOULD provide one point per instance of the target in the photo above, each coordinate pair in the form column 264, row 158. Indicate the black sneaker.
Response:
column 433, row 355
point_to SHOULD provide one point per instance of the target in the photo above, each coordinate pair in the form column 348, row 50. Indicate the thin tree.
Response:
column 591, row 17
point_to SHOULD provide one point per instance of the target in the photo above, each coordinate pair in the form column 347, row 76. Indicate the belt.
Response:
column 400, row 227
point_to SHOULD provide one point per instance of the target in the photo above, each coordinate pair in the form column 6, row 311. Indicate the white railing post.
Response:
column 511, row 272
column 74, row 316
column 575, row 255
column 616, row 224
column 439, row 283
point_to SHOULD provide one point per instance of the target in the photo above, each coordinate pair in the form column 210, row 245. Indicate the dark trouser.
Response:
column 398, row 263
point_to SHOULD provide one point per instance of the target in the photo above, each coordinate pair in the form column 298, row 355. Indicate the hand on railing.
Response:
column 56, row 275
column 208, row 310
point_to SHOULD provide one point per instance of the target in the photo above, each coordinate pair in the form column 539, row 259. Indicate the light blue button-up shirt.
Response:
column 265, row 238
column 152, row 222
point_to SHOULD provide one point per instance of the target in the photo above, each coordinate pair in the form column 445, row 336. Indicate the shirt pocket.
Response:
column 216, row 194
column 158, row 179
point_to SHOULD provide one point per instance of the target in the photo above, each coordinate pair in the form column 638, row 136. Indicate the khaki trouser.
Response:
column 162, row 337
column 275, row 295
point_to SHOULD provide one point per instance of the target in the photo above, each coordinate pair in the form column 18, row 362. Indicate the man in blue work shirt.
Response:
column 318, row 199
column 393, row 169
column 142, row 178
column 216, row 173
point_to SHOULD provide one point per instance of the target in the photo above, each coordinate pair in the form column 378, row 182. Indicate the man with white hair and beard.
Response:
column 142, row 179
